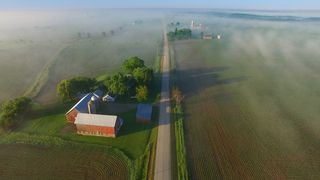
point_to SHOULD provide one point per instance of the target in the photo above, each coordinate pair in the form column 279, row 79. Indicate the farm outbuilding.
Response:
column 98, row 93
column 98, row 125
column 207, row 37
column 144, row 113
column 108, row 98
column 88, row 104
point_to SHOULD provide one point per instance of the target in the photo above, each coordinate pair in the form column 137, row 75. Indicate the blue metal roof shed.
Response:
column 144, row 113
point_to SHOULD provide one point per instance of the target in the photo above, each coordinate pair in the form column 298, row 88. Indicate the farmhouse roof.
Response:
column 144, row 111
column 82, row 105
column 98, row 93
column 96, row 120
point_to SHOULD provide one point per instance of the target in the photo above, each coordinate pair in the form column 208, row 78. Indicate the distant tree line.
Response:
column 173, row 24
column 103, row 33
column 179, row 34
column 134, row 79
column 12, row 110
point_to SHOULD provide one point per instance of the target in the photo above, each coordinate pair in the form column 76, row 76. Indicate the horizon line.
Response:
column 157, row 8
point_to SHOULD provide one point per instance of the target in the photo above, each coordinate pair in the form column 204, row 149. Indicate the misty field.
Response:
column 38, row 49
column 252, row 100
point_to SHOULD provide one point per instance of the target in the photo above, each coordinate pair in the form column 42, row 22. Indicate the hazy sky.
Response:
column 222, row 4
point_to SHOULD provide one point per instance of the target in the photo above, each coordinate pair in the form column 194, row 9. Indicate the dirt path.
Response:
column 163, row 153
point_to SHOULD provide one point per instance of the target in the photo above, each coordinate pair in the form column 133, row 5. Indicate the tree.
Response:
column 142, row 93
column 132, row 63
column 143, row 75
column 63, row 89
column 12, row 109
column 68, row 90
column 117, row 85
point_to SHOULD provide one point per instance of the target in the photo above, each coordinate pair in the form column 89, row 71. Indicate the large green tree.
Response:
column 69, row 89
column 130, row 64
column 143, row 75
column 118, row 84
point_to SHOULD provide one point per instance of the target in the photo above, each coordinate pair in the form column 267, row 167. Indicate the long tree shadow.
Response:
column 196, row 80
column 131, row 126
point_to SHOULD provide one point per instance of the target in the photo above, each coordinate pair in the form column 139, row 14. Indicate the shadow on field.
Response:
column 130, row 125
column 49, row 109
column 196, row 80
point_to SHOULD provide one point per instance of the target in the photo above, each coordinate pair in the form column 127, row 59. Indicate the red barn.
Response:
column 98, row 125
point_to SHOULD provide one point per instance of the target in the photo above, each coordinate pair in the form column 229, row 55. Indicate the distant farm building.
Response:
column 98, row 125
column 195, row 26
column 207, row 37
column 108, row 98
column 144, row 113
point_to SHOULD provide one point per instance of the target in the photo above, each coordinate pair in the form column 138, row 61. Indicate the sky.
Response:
column 215, row 4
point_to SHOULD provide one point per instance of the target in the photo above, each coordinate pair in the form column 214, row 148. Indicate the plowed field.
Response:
column 248, row 116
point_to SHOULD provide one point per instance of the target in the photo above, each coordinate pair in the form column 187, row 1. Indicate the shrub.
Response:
column 12, row 109
column 142, row 93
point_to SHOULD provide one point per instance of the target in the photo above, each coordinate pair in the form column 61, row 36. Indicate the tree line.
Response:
column 179, row 34
column 134, row 79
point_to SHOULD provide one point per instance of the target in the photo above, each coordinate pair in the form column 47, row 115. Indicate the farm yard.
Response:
column 251, row 101
column 46, row 130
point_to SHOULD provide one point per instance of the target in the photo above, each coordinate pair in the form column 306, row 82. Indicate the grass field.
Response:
column 36, row 162
column 252, row 102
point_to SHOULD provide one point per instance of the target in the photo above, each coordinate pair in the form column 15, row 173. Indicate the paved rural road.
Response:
column 163, row 153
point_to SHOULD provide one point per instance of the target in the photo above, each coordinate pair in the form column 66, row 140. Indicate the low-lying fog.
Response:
column 30, row 40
